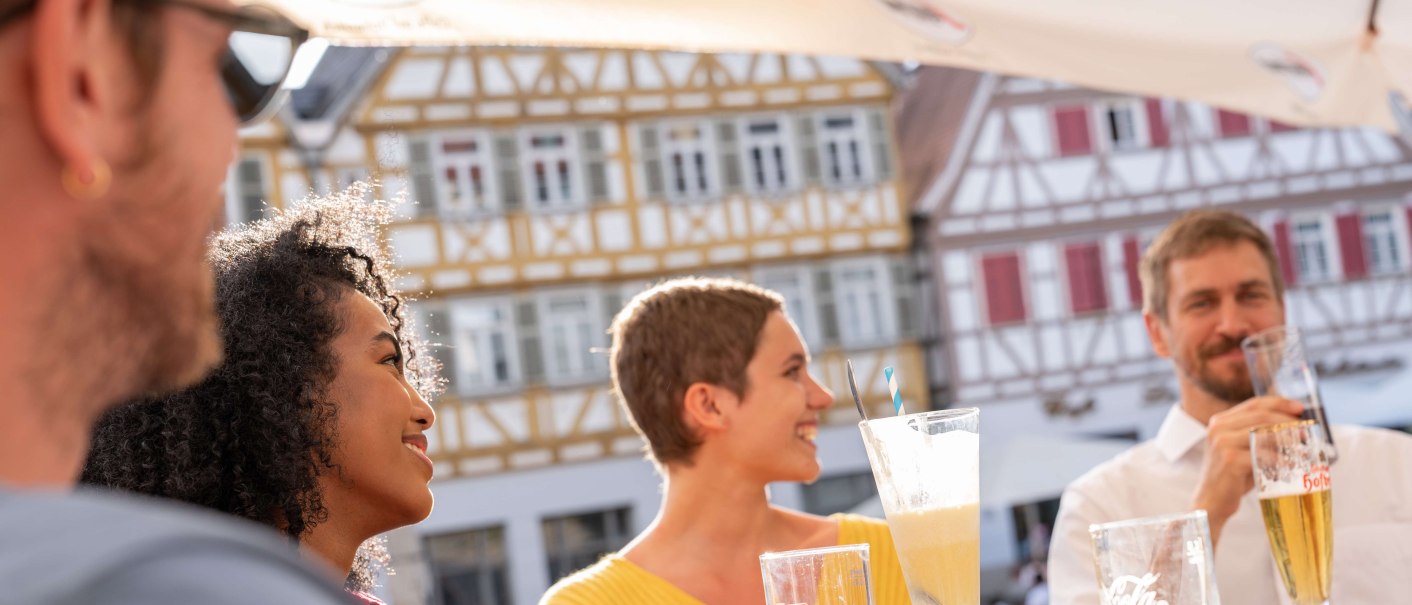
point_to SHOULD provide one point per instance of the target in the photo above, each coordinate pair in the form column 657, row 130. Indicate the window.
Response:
column 1120, row 127
column 843, row 149
column 1004, row 290
column 766, row 158
column 1232, row 124
column 577, row 541
column 797, row 288
column 689, row 161
column 1087, row 291
column 483, row 337
column 246, row 201
column 1380, row 239
column 1071, row 130
column 470, row 567
column 839, row 494
column 863, row 296
column 1311, row 256
column 571, row 332
column 464, row 175
column 550, row 168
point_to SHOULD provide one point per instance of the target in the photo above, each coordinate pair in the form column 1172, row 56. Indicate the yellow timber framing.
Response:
column 707, row 77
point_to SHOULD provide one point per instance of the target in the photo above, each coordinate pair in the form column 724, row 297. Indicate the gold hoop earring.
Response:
column 95, row 186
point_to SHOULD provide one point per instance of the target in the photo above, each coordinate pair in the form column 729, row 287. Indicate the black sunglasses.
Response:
column 261, row 49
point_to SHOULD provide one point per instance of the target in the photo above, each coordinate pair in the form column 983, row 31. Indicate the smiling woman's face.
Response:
column 382, row 469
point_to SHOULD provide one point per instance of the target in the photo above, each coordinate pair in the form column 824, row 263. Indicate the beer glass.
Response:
column 1292, row 479
column 837, row 575
column 927, row 467
column 1278, row 366
column 1155, row 560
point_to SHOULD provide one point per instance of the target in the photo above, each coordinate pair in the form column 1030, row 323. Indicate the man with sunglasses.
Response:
column 117, row 125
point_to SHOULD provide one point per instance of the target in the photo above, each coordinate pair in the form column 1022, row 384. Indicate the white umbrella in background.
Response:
column 1312, row 62
column 1038, row 468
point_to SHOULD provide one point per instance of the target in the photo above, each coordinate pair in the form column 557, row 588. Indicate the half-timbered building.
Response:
column 1036, row 199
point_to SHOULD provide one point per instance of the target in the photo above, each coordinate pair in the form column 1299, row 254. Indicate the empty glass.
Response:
column 1278, row 366
column 1155, row 560
column 837, row 575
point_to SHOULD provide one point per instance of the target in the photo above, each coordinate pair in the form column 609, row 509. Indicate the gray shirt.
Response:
column 98, row 548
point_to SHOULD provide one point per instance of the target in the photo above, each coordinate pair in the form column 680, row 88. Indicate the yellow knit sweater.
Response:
column 617, row 581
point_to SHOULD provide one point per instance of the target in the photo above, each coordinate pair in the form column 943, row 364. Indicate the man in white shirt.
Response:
column 1209, row 280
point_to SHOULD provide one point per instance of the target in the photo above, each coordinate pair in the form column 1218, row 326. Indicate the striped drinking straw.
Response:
column 892, row 388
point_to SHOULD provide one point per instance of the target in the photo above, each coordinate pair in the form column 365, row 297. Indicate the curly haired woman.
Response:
column 313, row 423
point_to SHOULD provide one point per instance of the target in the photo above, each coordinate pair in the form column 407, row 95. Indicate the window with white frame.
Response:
column 247, row 193
column 464, row 174
column 843, row 148
column 796, row 285
column 570, row 324
column 688, row 161
column 1121, row 130
column 1311, row 252
column 576, row 541
column 765, row 142
column 863, row 296
column 1381, row 239
column 471, row 567
column 550, row 164
column 483, row 334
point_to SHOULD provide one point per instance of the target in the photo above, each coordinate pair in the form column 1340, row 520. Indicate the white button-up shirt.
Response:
column 1372, row 509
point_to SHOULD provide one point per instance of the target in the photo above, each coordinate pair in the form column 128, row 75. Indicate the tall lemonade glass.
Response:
column 1292, row 478
column 927, row 467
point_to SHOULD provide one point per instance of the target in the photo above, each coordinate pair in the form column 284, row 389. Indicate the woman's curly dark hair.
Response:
column 254, row 436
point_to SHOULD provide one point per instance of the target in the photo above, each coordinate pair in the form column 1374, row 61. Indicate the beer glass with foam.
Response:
column 1291, row 463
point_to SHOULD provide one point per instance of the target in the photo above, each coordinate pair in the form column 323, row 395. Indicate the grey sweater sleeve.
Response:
column 211, row 574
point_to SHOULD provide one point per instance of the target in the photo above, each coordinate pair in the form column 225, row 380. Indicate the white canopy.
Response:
column 1313, row 62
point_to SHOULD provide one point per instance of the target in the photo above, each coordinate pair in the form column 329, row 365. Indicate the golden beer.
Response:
column 1300, row 528
column 940, row 553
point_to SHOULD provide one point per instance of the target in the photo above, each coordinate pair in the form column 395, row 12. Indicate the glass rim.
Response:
column 1260, row 340
column 1195, row 515
column 1282, row 426
column 809, row 552
column 929, row 415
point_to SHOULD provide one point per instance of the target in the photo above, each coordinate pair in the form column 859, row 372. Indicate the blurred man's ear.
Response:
column 71, row 67
column 1156, row 332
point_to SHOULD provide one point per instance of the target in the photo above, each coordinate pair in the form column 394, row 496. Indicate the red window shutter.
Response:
column 1278, row 126
column 1071, row 127
column 1350, row 245
column 1004, row 298
column 1087, row 292
column 1157, row 133
column 1233, row 124
column 1132, row 256
column 1285, row 252
column 1408, row 211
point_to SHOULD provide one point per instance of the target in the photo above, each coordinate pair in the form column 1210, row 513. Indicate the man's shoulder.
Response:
column 60, row 546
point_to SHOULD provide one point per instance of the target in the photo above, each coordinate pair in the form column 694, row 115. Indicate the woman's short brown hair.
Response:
column 1193, row 234
column 676, row 334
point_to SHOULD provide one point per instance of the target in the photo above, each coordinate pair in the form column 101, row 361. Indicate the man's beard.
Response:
column 137, row 318
column 166, row 316
column 1232, row 391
